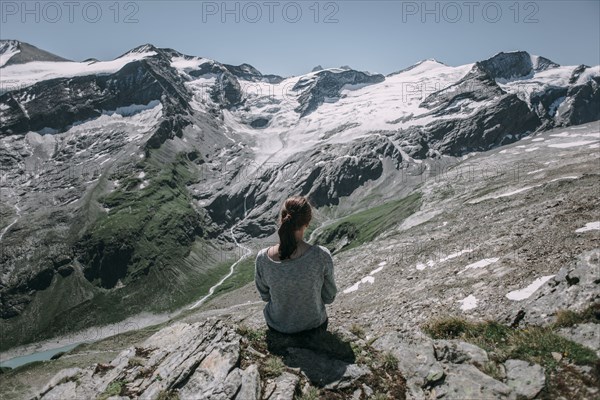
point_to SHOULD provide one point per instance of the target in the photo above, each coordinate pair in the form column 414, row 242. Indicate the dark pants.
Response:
column 316, row 339
column 319, row 329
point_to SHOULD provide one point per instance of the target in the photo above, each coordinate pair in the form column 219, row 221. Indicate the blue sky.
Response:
column 290, row 38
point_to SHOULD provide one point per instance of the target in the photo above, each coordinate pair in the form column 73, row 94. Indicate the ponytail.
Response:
column 295, row 213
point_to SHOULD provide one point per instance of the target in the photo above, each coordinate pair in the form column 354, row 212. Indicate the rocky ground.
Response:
column 508, row 236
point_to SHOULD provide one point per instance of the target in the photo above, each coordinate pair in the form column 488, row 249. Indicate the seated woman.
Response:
column 296, row 279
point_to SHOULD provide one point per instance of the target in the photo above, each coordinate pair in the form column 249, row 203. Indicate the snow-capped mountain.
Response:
column 13, row 52
column 127, row 182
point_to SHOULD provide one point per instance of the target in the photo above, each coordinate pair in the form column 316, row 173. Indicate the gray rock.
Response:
column 580, row 105
column 526, row 379
column 515, row 64
column 327, row 83
column 573, row 288
column 27, row 53
column 61, row 392
column 210, row 376
column 458, row 352
column 282, row 388
column 199, row 359
column 323, row 370
column 416, row 361
column 249, row 73
column 60, row 377
column 585, row 334
column 464, row 381
column 250, row 389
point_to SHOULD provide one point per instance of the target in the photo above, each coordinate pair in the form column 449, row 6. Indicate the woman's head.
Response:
column 295, row 215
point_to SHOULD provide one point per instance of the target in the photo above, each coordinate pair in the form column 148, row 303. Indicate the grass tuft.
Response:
column 311, row 394
column 568, row 318
column 357, row 330
column 532, row 343
column 273, row 367
column 113, row 389
column 166, row 395
column 390, row 362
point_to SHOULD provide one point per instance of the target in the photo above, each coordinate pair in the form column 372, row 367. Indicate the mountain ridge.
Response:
column 149, row 47
column 146, row 171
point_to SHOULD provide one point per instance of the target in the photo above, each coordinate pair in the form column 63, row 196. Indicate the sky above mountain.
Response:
column 290, row 38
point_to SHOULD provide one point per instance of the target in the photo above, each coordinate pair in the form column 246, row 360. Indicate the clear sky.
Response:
column 291, row 37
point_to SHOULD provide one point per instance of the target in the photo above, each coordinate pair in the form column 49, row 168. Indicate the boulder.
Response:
column 464, row 381
column 416, row 361
column 525, row 378
column 585, row 334
column 458, row 352
column 282, row 388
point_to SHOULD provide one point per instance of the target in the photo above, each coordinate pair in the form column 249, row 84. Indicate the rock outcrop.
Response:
column 194, row 360
column 455, row 369
column 210, row 360
column 327, row 84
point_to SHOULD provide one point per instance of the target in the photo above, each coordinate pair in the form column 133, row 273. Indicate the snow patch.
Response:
column 517, row 191
column 468, row 303
column 480, row 264
column 536, row 171
column 590, row 226
column 30, row 73
column 571, row 144
column 188, row 64
column 8, row 50
column 376, row 270
column 354, row 287
column 525, row 293
column 554, row 106
column 430, row 263
column 133, row 109
column 564, row 177
column 369, row 278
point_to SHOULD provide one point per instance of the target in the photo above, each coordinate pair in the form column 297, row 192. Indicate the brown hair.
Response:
column 295, row 213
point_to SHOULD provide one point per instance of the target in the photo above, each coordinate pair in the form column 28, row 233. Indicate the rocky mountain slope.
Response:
column 430, row 304
column 128, row 184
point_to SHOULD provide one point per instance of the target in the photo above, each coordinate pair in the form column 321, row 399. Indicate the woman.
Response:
column 294, row 278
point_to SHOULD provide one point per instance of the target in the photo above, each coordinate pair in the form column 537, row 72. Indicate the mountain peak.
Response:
column 144, row 48
column 417, row 64
column 514, row 65
column 14, row 52
column 8, row 44
column 432, row 60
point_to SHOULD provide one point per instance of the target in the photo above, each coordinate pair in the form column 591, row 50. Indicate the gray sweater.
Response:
column 296, row 290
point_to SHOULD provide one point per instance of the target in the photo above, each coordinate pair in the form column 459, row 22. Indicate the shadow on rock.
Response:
column 325, row 358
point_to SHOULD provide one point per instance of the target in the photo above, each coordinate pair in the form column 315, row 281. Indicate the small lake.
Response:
column 39, row 356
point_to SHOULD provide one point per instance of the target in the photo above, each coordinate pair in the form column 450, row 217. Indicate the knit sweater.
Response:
column 296, row 290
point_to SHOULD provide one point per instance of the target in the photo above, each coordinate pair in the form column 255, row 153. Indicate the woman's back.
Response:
column 296, row 289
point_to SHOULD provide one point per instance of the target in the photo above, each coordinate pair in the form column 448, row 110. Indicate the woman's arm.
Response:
column 261, row 286
column 329, row 289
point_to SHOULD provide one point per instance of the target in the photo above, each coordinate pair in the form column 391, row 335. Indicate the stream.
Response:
column 106, row 331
